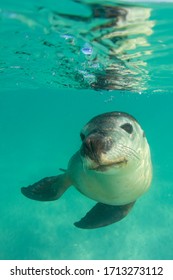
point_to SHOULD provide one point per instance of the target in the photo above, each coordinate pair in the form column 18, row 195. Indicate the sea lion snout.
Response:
column 96, row 144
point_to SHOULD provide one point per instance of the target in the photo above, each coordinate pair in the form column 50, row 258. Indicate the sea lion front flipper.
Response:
column 47, row 189
column 102, row 215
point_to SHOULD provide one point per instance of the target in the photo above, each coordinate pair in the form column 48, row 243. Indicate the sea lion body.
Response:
column 121, row 187
column 113, row 167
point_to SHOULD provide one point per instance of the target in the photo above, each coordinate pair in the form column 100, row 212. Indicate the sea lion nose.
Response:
column 94, row 145
column 90, row 145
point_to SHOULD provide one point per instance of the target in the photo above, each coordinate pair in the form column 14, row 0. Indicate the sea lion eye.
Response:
column 82, row 136
column 127, row 127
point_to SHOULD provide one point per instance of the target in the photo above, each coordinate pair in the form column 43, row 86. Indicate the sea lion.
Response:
column 113, row 167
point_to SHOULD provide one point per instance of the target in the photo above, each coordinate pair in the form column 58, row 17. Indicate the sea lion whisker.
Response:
column 130, row 151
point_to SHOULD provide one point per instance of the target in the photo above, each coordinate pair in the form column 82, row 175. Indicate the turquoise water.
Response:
column 41, row 117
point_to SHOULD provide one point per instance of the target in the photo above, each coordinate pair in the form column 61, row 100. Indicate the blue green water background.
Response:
column 39, row 131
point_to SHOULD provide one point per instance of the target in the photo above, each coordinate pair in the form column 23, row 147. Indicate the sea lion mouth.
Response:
column 104, row 167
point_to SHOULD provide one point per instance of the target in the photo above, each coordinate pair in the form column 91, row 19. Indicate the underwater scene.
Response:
column 61, row 65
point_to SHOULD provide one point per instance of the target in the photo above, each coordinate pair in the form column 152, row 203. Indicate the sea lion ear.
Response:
column 103, row 215
column 82, row 136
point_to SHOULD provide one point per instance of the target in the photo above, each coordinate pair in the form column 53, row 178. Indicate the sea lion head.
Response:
column 113, row 140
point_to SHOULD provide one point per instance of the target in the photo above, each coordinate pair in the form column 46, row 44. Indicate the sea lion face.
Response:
column 113, row 140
